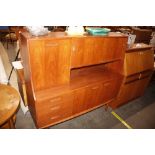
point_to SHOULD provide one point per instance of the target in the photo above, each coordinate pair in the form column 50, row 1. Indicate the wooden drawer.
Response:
column 54, row 109
column 131, row 90
column 139, row 61
column 50, row 103
column 138, row 76
column 131, row 78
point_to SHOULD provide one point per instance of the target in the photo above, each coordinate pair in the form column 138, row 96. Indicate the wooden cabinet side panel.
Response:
column 24, row 48
column 130, row 91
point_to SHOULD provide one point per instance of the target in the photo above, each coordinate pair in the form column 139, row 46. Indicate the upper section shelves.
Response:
column 48, row 60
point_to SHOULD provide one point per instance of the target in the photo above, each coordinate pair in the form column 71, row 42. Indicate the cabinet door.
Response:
column 95, row 95
column 147, row 60
column 139, row 61
column 128, row 92
column 95, row 50
column 131, row 90
column 79, row 103
column 50, row 62
column 87, row 97
column 141, row 86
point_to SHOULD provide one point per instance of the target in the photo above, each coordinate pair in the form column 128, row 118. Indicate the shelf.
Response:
column 89, row 75
column 81, row 77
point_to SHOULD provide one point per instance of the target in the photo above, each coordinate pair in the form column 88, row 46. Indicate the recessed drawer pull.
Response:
column 52, row 44
column 55, row 108
column 54, row 117
column 95, row 87
column 73, row 49
column 140, row 76
column 106, row 84
column 55, row 100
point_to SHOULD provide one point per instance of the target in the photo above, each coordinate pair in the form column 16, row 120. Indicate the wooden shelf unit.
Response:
column 67, row 76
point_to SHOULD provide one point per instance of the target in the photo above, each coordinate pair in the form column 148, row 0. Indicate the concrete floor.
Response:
column 139, row 114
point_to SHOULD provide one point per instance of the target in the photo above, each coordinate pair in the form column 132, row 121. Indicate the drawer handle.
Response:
column 106, row 84
column 52, row 44
column 73, row 49
column 55, row 99
column 141, row 53
column 54, row 117
column 140, row 76
column 95, row 87
column 55, row 108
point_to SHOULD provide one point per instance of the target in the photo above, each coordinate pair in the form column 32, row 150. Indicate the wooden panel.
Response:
column 54, row 109
column 93, row 74
column 141, row 86
column 94, row 95
column 87, row 51
column 77, row 49
column 126, row 94
column 138, row 76
column 25, row 59
column 50, row 63
column 79, row 100
column 67, row 76
column 130, row 91
column 147, row 60
column 132, row 78
column 111, row 89
column 136, row 62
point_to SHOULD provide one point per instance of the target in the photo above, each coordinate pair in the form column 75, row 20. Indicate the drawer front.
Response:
column 54, row 109
column 145, row 74
column 131, row 78
column 132, row 90
column 50, row 103
column 138, row 76
column 140, row 61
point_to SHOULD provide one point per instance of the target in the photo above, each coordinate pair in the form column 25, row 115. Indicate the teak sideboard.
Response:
column 66, row 76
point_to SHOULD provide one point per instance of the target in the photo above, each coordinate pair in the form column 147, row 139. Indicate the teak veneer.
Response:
column 66, row 76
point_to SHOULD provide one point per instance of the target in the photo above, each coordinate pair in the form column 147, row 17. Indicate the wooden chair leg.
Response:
column 11, row 123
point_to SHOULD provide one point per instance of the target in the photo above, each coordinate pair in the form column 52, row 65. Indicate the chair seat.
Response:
column 8, row 105
column 11, row 36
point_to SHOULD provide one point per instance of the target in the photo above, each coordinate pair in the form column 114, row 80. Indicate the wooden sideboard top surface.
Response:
column 55, row 35
column 138, row 46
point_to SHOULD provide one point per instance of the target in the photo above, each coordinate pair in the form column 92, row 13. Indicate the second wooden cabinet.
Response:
column 138, row 69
